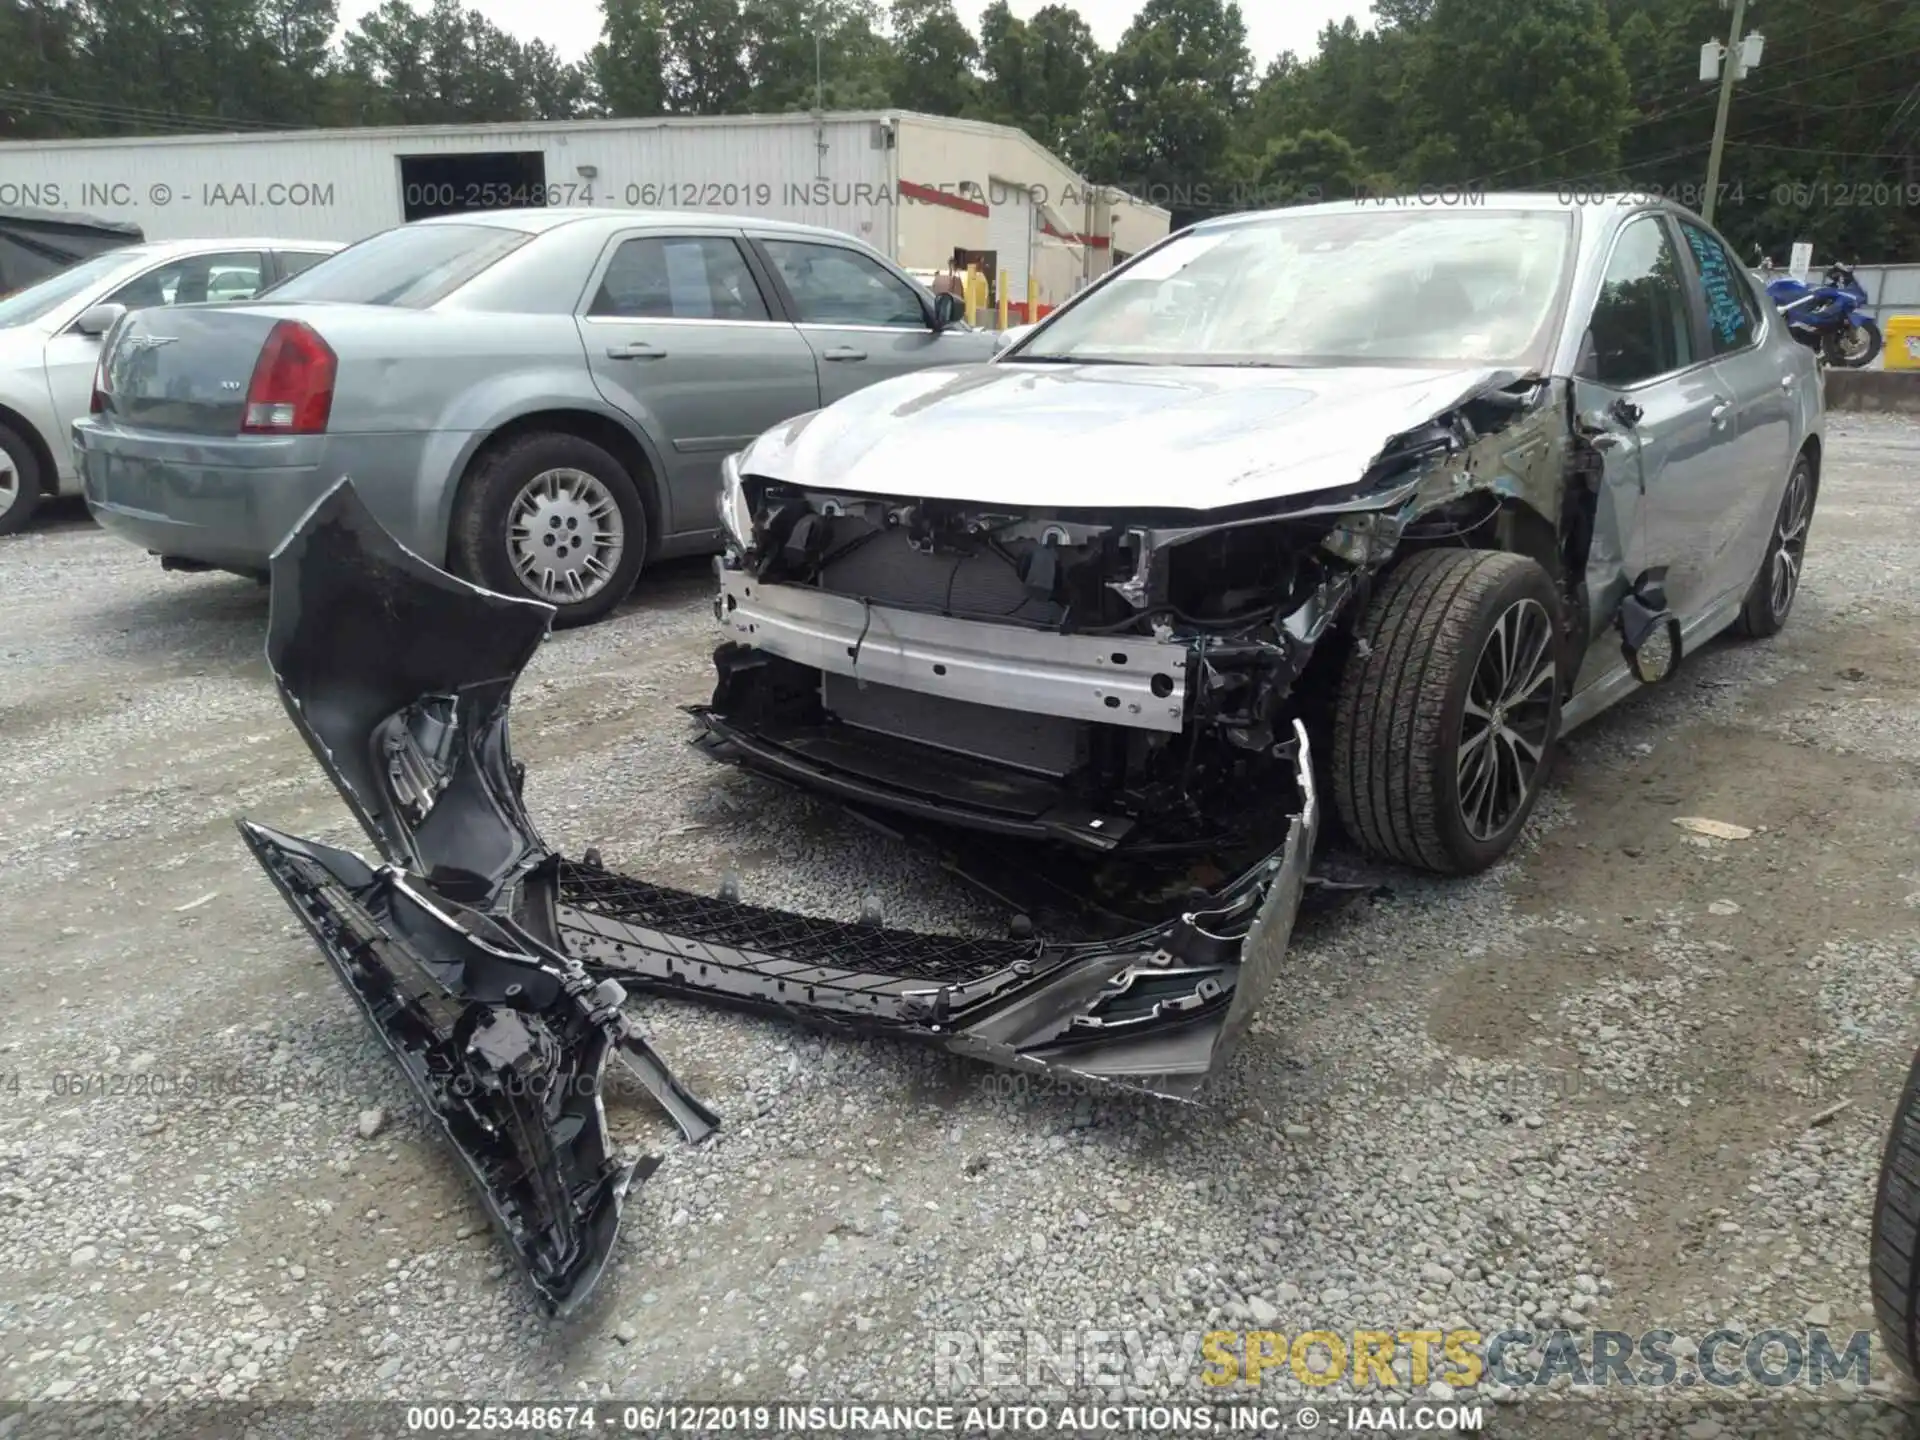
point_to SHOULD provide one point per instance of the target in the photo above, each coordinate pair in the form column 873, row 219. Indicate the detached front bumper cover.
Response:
column 495, row 970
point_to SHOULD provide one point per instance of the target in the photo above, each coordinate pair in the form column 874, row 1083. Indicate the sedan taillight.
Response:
column 292, row 388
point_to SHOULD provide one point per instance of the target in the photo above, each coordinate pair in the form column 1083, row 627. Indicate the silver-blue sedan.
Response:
column 537, row 399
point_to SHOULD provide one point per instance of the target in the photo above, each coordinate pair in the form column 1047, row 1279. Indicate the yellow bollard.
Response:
column 1003, row 301
column 1033, row 299
column 973, row 295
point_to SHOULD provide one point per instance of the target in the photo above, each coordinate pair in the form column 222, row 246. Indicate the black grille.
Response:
column 887, row 570
column 802, row 939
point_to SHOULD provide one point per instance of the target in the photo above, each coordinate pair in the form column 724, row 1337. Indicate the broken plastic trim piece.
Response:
column 399, row 676
column 506, row 1051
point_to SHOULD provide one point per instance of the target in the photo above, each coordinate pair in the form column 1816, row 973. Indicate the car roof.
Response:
column 539, row 220
column 1443, row 197
column 162, row 249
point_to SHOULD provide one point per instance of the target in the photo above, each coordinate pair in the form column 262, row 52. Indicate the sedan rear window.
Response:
column 411, row 267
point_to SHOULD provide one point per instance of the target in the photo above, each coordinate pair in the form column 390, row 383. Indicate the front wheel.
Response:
column 1894, row 1247
column 1446, row 712
column 1856, row 347
column 551, row 517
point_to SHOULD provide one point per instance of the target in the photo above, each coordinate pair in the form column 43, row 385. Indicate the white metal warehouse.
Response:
column 924, row 189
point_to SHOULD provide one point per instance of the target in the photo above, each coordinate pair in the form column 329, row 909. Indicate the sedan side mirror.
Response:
column 98, row 319
column 947, row 312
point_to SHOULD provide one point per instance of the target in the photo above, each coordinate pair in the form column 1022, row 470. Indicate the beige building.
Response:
column 993, row 195
column 924, row 189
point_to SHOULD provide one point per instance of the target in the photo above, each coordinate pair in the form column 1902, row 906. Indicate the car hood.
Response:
column 1110, row 436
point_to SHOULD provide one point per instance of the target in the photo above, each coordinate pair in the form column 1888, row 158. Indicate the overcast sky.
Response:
column 573, row 26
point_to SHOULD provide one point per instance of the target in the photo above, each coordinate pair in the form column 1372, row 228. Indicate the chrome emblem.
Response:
column 147, row 342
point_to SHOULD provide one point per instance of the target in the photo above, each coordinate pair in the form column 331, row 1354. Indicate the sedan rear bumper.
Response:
column 225, row 501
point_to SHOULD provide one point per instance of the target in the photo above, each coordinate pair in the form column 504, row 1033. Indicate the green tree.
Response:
column 1515, row 91
column 705, row 62
column 1173, row 93
column 628, row 66
column 1038, row 74
column 1311, row 166
column 934, row 55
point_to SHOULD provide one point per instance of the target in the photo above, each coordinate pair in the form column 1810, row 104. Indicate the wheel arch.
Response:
column 616, row 437
column 1815, row 450
column 35, row 441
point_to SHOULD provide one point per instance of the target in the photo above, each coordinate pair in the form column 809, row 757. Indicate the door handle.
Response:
column 1720, row 413
column 639, row 350
column 843, row 352
column 1787, row 382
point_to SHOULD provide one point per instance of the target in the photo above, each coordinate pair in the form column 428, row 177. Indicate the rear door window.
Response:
column 679, row 277
column 1733, row 311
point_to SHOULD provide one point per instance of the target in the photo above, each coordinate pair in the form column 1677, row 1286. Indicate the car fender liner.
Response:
column 494, row 969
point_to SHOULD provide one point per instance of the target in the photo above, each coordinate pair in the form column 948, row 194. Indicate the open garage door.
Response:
column 486, row 180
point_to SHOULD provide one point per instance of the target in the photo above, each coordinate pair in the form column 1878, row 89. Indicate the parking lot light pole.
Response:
column 1730, row 67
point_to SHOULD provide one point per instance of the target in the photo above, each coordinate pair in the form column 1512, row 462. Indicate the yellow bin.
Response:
column 1903, row 342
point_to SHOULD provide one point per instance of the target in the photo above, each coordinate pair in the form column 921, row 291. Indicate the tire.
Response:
column 21, row 484
column 1894, row 1250
column 1410, row 753
column 560, row 488
column 1765, row 612
column 1859, row 359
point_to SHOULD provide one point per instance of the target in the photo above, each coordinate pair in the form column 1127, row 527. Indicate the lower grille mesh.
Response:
column 872, row 949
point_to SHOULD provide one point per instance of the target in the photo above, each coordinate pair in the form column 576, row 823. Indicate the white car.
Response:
column 50, row 340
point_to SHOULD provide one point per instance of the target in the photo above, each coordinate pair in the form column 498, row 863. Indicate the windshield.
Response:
column 30, row 304
column 1346, row 288
column 413, row 266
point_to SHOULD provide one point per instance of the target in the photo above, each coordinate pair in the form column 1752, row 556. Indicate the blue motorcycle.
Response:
column 1826, row 318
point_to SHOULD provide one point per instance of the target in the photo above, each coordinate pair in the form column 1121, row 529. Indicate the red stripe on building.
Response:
column 931, row 196
column 1097, row 242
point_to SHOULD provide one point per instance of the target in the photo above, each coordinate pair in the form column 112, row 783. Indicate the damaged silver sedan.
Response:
column 1418, row 489
column 1357, row 502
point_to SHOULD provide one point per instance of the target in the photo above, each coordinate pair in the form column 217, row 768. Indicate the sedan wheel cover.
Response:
column 9, row 483
column 1790, row 543
column 565, row 534
column 1508, row 720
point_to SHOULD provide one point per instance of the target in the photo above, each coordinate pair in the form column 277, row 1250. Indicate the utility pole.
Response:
column 818, row 89
column 1734, row 62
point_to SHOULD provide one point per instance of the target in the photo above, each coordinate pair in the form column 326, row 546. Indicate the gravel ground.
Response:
column 1575, row 1092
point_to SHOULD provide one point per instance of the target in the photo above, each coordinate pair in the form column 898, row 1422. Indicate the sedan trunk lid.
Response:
column 184, row 368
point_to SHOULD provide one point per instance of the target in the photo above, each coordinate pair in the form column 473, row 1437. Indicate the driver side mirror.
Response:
column 947, row 312
column 96, row 320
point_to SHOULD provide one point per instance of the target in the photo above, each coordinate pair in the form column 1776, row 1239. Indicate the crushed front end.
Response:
column 1126, row 682
column 494, row 969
